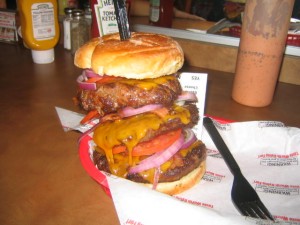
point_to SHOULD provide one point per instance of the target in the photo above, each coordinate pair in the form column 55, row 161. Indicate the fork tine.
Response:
column 246, row 210
column 264, row 210
column 255, row 209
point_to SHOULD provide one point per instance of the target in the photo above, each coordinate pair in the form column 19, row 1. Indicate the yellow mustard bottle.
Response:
column 39, row 27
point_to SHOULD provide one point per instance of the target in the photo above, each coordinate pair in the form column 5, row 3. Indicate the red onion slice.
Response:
column 85, row 85
column 90, row 73
column 129, row 111
column 158, row 158
column 187, row 96
column 190, row 138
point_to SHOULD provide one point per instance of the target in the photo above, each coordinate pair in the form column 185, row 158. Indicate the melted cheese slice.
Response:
column 148, row 84
column 129, row 131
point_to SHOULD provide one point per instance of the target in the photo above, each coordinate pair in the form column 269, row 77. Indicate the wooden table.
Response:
column 41, row 177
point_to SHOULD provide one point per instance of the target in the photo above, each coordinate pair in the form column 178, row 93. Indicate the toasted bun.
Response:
column 144, row 55
column 84, row 54
column 185, row 183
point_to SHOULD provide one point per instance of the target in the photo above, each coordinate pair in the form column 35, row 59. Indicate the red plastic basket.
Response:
column 292, row 39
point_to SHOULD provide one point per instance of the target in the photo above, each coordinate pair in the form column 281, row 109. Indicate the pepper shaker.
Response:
column 79, row 30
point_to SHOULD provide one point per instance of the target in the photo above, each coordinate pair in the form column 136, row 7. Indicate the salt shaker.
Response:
column 79, row 30
column 67, row 28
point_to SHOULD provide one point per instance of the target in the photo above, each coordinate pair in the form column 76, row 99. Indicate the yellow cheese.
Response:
column 129, row 131
column 148, row 84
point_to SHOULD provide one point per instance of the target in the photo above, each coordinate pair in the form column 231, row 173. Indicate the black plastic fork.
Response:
column 243, row 196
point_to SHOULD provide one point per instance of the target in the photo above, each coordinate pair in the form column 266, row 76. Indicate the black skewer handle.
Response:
column 122, row 19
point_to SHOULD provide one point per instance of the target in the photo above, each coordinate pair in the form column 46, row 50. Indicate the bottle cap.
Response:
column 77, row 13
column 68, row 11
column 43, row 56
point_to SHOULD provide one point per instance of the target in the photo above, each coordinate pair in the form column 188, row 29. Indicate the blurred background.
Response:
column 211, row 10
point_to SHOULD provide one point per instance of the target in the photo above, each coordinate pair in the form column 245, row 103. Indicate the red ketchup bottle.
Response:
column 161, row 13
column 94, row 26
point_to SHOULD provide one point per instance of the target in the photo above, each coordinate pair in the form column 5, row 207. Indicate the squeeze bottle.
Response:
column 40, row 28
column 261, row 49
column 104, row 18
column 161, row 13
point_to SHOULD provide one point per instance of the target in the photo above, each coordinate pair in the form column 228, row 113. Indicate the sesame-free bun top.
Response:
column 144, row 55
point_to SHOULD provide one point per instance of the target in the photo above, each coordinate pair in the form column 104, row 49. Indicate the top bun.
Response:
column 144, row 55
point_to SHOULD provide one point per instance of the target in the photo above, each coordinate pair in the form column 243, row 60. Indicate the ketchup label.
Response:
column 106, row 17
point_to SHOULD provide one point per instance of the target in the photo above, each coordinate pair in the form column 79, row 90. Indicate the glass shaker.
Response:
column 88, row 16
column 79, row 30
column 67, row 28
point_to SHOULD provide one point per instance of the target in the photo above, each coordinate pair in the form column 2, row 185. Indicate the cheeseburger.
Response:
column 146, row 120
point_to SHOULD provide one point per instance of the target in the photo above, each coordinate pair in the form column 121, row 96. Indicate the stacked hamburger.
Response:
column 146, row 120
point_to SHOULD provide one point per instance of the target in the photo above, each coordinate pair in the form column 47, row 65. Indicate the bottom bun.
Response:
column 185, row 183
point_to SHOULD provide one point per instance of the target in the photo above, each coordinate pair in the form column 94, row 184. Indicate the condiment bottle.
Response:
column 161, row 13
column 103, row 17
column 79, row 30
column 94, row 24
column 105, row 22
column 263, row 39
column 67, row 28
column 40, row 28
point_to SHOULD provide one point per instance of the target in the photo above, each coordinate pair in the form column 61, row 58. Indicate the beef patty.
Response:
column 112, row 96
column 174, row 124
